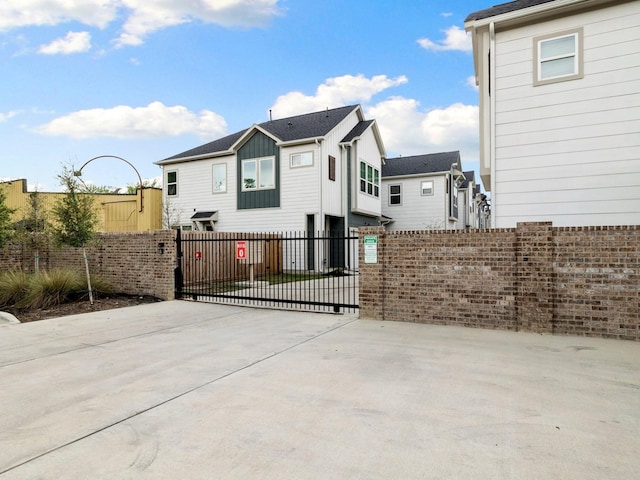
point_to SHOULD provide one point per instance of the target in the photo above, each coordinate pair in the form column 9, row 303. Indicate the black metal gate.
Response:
column 292, row 270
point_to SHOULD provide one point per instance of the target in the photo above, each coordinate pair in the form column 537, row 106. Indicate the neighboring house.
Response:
column 314, row 172
column 559, row 88
column 467, row 203
column 115, row 212
column 421, row 192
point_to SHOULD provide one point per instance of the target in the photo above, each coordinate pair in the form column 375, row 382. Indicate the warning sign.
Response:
column 241, row 250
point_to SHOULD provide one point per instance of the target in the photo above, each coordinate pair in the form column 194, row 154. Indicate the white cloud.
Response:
column 456, row 39
column 6, row 116
column 471, row 81
column 73, row 42
column 334, row 92
column 154, row 120
column 22, row 13
column 147, row 17
column 141, row 17
column 408, row 130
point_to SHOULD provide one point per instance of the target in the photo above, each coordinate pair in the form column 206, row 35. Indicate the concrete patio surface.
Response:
column 185, row 390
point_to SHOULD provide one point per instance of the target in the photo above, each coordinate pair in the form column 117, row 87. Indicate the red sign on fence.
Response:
column 241, row 250
column 197, row 255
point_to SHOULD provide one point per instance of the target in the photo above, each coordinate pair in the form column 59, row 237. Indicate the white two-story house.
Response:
column 421, row 192
column 314, row 172
column 559, row 93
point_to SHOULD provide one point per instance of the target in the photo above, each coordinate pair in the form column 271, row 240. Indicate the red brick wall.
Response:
column 597, row 281
column 580, row 281
column 132, row 262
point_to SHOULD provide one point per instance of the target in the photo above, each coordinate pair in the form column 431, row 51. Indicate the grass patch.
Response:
column 22, row 291
column 279, row 278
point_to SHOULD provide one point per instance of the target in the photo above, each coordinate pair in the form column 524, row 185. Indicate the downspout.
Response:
column 492, row 127
column 321, row 213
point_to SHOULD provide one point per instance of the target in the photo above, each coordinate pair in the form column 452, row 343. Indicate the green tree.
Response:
column 33, row 229
column 6, row 227
column 133, row 189
column 76, row 218
column 91, row 188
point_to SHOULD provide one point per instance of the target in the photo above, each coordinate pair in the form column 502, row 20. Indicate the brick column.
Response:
column 371, row 281
column 535, row 292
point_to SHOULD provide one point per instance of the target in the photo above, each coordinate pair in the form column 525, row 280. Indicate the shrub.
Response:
column 21, row 291
column 14, row 285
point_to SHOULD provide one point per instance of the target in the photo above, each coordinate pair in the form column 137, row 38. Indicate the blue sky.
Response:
column 145, row 80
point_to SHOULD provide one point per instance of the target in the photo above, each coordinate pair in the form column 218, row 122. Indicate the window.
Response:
column 395, row 195
column 369, row 179
column 426, row 187
column 258, row 174
column 558, row 57
column 172, row 183
column 302, row 159
column 220, row 178
column 332, row 168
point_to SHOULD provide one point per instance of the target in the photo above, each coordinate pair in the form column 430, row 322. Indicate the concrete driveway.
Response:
column 181, row 390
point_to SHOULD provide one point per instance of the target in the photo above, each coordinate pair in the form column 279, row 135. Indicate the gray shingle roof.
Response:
column 309, row 125
column 356, row 131
column 469, row 176
column 417, row 164
column 504, row 8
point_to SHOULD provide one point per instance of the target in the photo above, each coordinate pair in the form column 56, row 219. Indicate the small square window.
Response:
column 558, row 57
column 426, row 187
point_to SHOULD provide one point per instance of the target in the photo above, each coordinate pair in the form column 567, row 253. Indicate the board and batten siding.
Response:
column 416, row 211
column 569, row 152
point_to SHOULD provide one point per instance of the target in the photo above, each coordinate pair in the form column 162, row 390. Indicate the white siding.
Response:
column 304, row 190
column 569, row 152
column 417, row 211
column 367, row 150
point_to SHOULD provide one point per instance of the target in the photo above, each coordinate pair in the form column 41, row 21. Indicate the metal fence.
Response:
column 292, row 270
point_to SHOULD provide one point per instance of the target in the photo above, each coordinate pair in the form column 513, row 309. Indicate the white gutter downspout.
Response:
column 492, row 127
column 321, row 213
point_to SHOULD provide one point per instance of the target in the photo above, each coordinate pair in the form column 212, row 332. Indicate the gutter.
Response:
column 492, row 121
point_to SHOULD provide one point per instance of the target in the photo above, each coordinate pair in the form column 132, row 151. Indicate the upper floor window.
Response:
column 558, row 57
column 258, row 174
column 220, row 178
column 369, row 179
column 426, row 187
column 395, row 194
column 302, row 159
column 332, row 168
column 172, row 183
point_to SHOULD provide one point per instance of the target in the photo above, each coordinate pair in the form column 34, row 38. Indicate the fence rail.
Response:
column 309, row 271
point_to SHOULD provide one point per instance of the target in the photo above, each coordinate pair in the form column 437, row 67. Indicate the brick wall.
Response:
column 137, row 263
column 580, row 281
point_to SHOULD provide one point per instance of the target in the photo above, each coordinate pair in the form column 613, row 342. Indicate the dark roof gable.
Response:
column 504, row 8
column 417, row 164
column 309, row 125
column 356, row 131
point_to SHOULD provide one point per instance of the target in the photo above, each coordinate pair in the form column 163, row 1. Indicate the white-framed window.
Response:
column 220, row 178
column 558, row 57
column 303, row 159
column 258, row 174
column 172, row 183
column 395, row 194
column 369, row 179
column 426, row 187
